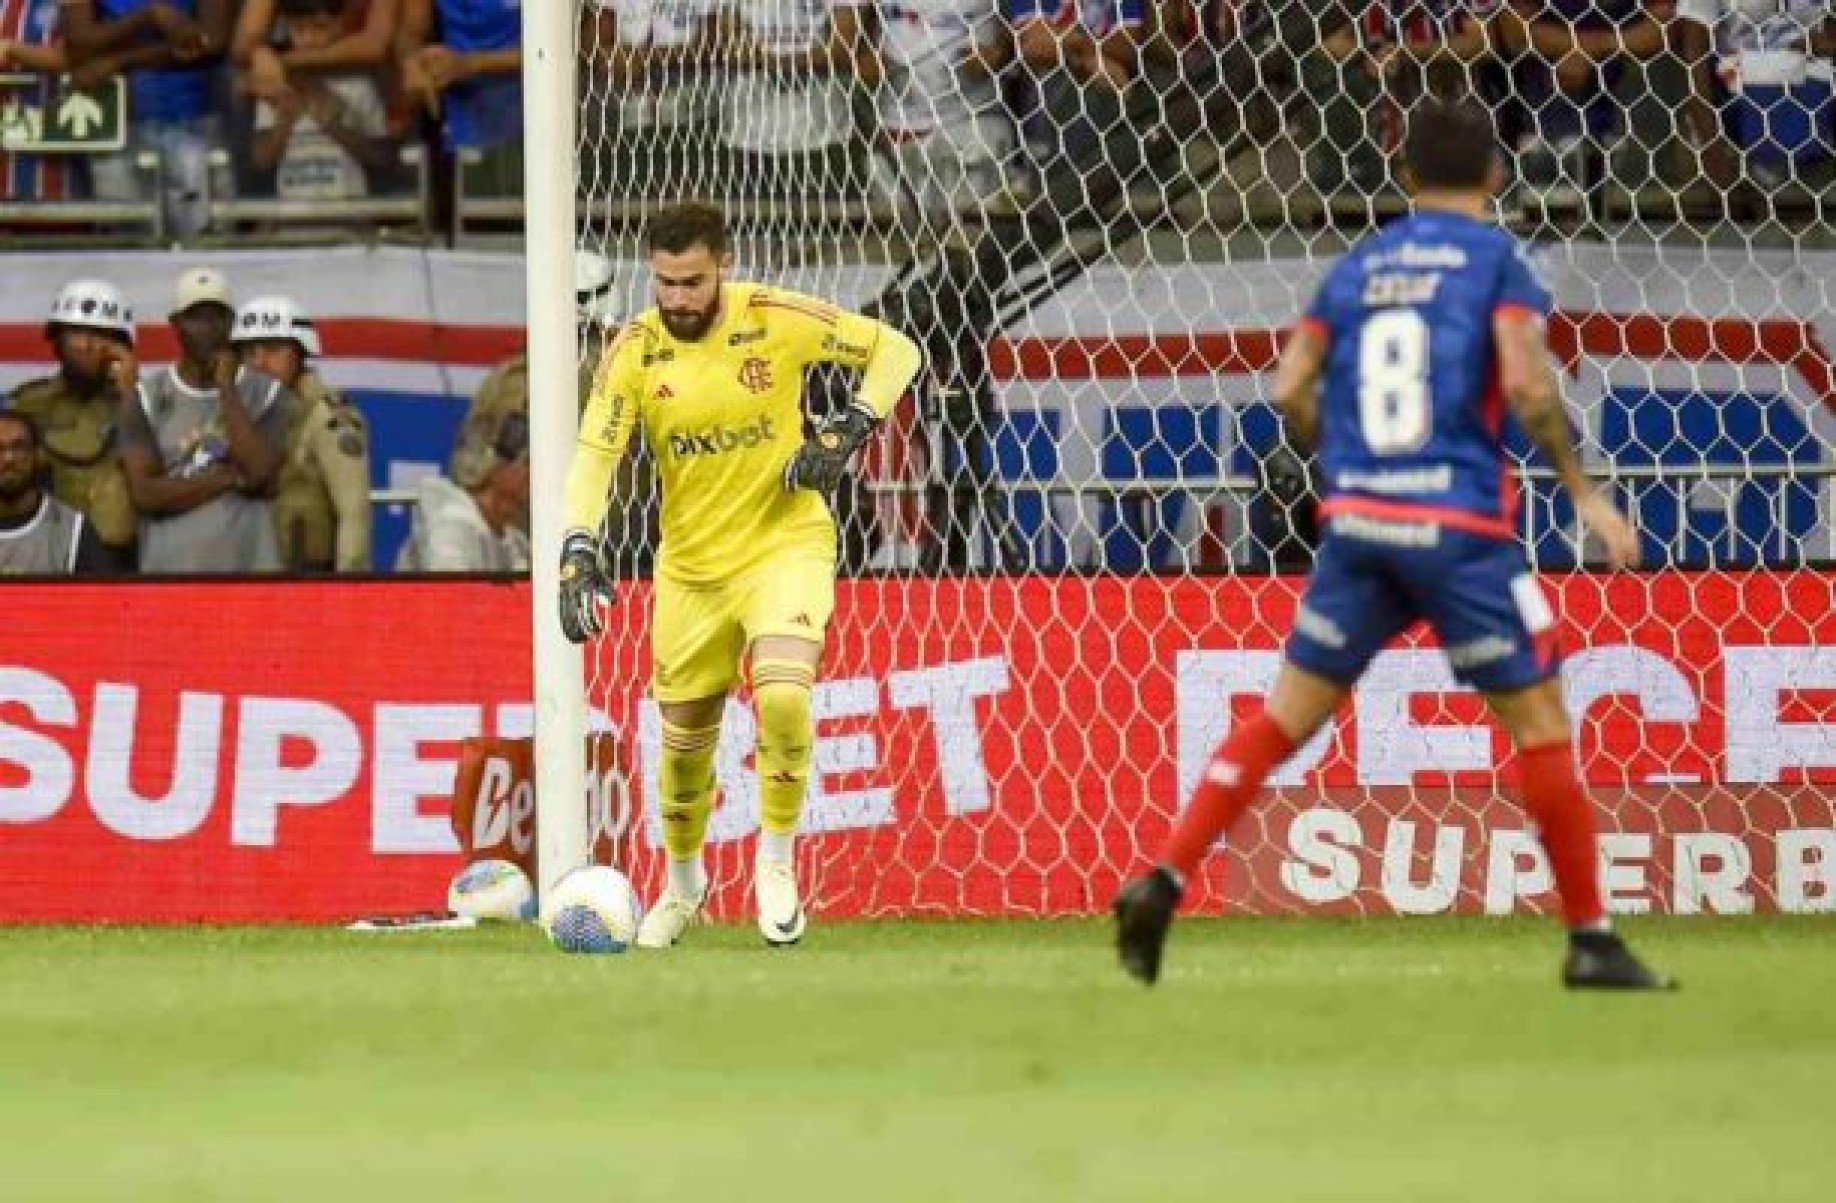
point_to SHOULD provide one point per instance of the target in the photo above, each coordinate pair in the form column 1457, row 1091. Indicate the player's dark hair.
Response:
column 686, row 225
column 1450, row 144
column 27, row 422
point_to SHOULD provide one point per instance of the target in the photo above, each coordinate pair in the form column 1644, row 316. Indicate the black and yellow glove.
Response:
column 586, row 590
column 823, row 459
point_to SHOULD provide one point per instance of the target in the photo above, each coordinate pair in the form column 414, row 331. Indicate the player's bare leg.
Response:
column 1297, row 707
column 1537, row 721
column 783, row 673
column 685, row 787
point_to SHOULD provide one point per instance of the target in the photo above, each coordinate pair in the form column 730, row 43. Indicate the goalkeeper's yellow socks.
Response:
column 685, row 785
column 781, row 695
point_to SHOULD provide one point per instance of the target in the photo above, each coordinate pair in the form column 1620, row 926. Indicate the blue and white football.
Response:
column 492, row 890
column 593, row 909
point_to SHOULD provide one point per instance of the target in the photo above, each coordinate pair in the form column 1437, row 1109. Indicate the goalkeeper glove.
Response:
column 823, row 459
column 586, row 591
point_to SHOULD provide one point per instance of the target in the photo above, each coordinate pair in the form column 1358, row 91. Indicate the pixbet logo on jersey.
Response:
column 717, row 439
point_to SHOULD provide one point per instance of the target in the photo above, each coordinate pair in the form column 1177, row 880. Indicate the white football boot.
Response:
column 672, row 915
column 781, row 915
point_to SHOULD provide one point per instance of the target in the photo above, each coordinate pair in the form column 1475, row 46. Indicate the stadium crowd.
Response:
column 936, row 105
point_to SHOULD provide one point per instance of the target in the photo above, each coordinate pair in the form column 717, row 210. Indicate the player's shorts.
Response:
column 1372, row 580
column 699, row 633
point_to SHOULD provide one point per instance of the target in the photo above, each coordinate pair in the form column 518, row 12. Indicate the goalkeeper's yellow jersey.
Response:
column 723, row 416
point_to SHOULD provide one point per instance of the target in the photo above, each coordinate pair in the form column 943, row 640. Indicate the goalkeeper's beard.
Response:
column 691, row 325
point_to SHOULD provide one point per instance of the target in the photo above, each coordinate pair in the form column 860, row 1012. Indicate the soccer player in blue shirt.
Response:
column 1400, row 373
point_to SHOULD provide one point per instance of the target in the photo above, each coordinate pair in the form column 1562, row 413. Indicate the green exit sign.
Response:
column 48, row 116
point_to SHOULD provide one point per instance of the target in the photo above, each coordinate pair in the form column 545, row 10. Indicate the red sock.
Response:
column 1232, row 778
column 1555, row 799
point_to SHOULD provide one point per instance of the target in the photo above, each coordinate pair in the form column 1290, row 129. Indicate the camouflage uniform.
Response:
column 322, row 508
column 504, row 392
column 85, row 455
column 631, row 545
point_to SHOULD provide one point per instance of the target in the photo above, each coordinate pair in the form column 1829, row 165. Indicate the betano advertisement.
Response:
column 285, row 752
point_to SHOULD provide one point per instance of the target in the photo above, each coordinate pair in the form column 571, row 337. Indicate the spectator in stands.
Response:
column 320, row 133
column 786, row 113
column 1760, row 77
column 1377, row 58
column 202, row 443
column 506, row 390
column 944, row 135
column 39, row 535
column 322, row 502
column 1570, row 57
column 662, row 131
column 75, row 409
column 469, row 77
column 271, row 58
column 1344, row 77
column 1082, row 59
column 168, row 50
column 478, row 521
column 30, row 44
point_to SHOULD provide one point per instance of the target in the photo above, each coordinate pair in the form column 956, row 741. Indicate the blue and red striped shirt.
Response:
column 27, row 176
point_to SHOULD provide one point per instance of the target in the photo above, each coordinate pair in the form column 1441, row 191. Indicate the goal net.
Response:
column 1072, row 556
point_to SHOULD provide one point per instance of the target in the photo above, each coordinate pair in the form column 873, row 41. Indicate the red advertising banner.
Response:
column 243, row 751
column 286, row 751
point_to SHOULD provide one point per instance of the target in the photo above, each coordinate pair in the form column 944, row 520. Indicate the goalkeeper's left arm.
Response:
column 890, row 370
column 890, row 364
column 605, row 432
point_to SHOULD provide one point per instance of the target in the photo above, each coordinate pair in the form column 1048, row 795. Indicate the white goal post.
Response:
column 548, row 192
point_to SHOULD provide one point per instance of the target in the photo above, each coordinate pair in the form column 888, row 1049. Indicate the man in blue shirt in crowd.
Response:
column 466, row 70
column 169, row 51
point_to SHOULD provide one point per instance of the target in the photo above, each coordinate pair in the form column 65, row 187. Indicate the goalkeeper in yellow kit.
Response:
column 746, row 571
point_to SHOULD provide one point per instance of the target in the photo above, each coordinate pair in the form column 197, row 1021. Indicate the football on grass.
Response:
column 592, row 910
column 492, row 890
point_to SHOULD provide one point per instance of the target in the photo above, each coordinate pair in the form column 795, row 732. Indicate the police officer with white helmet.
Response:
column 90, row 327
column 322, row 510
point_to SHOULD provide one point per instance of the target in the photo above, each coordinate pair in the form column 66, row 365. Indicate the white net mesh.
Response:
column 1062, row 556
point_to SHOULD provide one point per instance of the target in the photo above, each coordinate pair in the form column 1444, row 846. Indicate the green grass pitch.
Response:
column 1278, row 1060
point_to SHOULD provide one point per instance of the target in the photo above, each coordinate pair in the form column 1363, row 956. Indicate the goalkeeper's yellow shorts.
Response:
column 700, row 633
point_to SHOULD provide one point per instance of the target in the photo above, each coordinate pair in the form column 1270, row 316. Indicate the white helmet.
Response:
column 274, row 318
column 92, row 305
column 592, row 286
